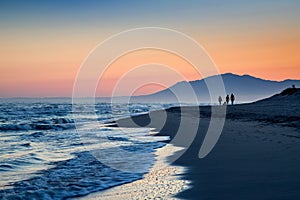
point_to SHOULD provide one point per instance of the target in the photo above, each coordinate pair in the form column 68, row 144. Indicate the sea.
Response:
column 49, row 151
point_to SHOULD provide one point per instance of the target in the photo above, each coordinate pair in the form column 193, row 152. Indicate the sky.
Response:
column 44, row 43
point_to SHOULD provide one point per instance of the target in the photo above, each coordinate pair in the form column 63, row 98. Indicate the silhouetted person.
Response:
column 232, row 98
column 220, row 100
column 293, row 89
column 227, row 99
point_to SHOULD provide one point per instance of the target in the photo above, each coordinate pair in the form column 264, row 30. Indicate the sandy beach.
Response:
column 256, row 157
column 161, row 182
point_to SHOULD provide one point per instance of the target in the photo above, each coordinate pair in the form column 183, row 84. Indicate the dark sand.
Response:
column 256, row 157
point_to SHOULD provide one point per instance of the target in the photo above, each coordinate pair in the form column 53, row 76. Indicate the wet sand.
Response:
column 256, row 157
column 162, row 182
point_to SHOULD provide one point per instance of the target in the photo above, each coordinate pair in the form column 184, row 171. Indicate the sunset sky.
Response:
column 44, row 43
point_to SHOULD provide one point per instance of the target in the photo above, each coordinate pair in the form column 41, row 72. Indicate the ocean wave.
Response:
column 45, row 158
column 47, row 124
column 5, row 167
column 71, row 178
column 37, row 134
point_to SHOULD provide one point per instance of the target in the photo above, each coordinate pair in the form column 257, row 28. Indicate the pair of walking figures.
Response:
column 232, row 98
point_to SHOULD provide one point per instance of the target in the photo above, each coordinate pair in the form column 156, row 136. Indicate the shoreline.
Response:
column 256, row 156
column 162, row 181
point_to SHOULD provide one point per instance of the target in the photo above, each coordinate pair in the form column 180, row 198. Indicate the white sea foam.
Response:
column 42, row 155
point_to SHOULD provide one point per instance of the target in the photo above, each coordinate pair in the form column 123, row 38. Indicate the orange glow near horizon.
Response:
column 137, row 67
column 49, row 67
column 43, row 44
column 272, row 55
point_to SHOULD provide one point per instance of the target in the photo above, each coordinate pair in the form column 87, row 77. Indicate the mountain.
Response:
column 246, row 88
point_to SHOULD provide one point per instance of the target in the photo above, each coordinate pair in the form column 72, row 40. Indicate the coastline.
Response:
column 256, row 156
column 162, row 181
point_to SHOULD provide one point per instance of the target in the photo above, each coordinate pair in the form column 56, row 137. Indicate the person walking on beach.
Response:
column 227, row 99
column 220, row 100
column 232, row 98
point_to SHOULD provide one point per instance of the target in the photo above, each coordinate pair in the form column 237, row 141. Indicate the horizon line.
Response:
column 70, row 97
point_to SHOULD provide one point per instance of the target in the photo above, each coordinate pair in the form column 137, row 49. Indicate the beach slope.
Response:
column 256, row 157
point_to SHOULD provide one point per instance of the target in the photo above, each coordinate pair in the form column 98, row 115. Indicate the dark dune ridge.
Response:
column 256, row 157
